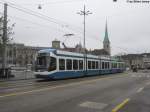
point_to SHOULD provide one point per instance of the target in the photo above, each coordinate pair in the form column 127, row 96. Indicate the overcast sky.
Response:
column 128, row 23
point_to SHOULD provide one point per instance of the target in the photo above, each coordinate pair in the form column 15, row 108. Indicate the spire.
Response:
column 106, row 39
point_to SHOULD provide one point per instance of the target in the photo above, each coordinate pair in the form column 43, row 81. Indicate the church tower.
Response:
column 106, row 42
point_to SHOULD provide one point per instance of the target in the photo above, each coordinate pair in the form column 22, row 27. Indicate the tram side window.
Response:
column 112, row 65
column 80, row 65
column 100, row 65
column 108, row 65
column 103, row 65
column 115, row 65
column 75, row 64
column 120, row 65
column 69, row 64
column 41, row 60
column 52, row 65
column 96, row 64
column 61, row 64
column 89, row 65
column 93, row 64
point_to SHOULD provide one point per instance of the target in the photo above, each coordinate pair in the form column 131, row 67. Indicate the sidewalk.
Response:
column 20, row 75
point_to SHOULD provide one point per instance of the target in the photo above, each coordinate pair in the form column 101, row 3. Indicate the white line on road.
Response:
column 140, row 89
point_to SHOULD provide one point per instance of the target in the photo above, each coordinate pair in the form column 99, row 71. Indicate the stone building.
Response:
column 21, row 55
column 146, row 60
column 140, row 60
column 56, row 44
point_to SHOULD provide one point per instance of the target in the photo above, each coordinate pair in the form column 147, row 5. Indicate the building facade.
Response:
column 21, row 55
column 142, row 61
column 56, row 44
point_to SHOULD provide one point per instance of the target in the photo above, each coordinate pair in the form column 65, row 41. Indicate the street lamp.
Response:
column 69, row 34
column 66, row 35
column 84, row 13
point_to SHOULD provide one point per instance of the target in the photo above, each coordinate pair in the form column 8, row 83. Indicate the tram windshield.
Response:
column 45, row 63
column 42, row 62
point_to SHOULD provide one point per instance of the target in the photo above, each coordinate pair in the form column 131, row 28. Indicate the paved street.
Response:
column 125, row 92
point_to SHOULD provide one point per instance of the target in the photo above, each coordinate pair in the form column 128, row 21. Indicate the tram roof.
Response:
column 67, row 53
column 46, row 50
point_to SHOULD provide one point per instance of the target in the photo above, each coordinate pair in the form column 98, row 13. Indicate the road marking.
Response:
column 56, row 87
column 93, row 105
column 118, row 107
column 140, row 89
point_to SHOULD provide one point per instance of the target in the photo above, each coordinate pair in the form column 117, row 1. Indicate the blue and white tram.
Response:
column 57, row 64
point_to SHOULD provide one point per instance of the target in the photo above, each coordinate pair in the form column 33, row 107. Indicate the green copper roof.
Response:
column 106, row 39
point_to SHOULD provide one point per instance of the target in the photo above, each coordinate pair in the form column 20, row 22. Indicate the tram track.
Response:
column 39, row 84
column 17, row 84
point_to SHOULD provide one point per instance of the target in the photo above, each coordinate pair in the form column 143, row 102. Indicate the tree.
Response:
column 9, row 34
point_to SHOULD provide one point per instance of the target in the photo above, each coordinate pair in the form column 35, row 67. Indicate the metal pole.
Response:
column 84, row 13
column 4, row 39
column 84, row 43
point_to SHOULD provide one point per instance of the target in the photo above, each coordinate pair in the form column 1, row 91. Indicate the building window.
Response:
column 80, row 65
column 61, row 64
column 75, row 64
column 113, row 65
column 69, row 64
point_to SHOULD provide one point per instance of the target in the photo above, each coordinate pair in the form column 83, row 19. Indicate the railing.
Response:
column 17, row 73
